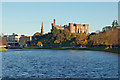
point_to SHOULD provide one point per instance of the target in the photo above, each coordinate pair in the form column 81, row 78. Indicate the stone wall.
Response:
column 73, row 28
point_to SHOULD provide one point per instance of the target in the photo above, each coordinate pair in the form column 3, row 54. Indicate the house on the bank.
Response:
column 3, row 42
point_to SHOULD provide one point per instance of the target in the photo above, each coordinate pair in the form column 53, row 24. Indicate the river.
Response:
column 45, row 63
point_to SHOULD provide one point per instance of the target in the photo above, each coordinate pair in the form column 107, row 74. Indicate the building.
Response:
column 13, row 40
column 106, row 28
column 73, row 28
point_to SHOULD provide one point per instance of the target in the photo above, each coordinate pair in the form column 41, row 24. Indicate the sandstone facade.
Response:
column 73, row 28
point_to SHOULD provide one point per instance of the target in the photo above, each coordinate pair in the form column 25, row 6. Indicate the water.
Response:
column 45, row 63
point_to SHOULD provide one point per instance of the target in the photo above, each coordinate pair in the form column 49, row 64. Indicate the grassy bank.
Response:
column 3, row 49
column 72, row 48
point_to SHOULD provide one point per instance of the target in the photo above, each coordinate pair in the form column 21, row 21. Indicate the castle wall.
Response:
column 84, row 28
column 77, row 28
column 73, row 28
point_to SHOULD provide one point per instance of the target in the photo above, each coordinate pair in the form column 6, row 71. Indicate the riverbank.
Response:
column 73, row 48
column 3, row 49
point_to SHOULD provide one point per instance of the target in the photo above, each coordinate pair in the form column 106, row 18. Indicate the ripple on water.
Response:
column 63, row 64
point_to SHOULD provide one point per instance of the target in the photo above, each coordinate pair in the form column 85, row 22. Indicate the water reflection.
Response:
column 72, row 51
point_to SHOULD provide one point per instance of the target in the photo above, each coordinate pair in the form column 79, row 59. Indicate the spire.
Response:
column 42, row 29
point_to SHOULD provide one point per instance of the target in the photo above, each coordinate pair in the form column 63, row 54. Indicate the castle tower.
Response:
column 71, row 28
column 76, row 28
column 42, row 29
column 54, row 21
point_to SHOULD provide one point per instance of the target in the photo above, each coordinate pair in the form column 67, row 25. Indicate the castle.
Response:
column 73, row 28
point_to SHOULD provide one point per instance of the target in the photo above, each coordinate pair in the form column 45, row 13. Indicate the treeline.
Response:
column 60, row 38
column 63, row 38
column 109, row 38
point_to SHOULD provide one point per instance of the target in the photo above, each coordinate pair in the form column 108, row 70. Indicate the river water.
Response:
column 45, row 63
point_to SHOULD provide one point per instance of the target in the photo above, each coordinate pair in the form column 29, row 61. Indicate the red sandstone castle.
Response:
column 73, row 28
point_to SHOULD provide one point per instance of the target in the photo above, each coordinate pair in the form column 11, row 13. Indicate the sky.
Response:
column 27, row 17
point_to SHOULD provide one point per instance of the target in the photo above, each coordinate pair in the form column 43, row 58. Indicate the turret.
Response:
column 72, row 27
column 54, row 21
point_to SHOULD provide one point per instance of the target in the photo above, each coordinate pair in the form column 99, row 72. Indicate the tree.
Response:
column 116, row 24
column 113, row 24
column 109, row 38
column 56, row 41
column 81, row 39
column 61, row 31
column 67, row 34
column 55, row 32
column 73, row 43
column 39, row 44
column 85, row 42
column 60, row 37
column 66, row 31
column 73, row 35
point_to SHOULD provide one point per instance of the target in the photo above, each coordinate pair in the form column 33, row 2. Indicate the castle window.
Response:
column 86, row 27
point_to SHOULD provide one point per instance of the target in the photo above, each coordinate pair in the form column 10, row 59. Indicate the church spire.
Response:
column 42, row 29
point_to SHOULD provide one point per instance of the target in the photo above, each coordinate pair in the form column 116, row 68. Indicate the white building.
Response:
column 16, row 40
column 12, row 38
